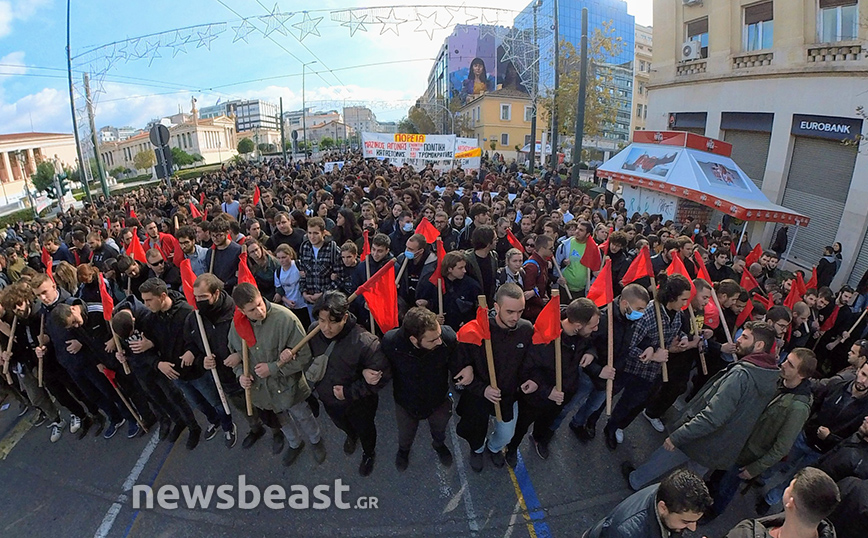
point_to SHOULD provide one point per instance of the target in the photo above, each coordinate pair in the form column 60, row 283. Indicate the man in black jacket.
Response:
column 541, row 401
column 421, row 355
column 373, row 262
column 226, row 254
column 159, row 267
column 849, row 457
column 674, row 505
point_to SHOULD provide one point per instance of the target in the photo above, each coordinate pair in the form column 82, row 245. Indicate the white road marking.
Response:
column 462, row 474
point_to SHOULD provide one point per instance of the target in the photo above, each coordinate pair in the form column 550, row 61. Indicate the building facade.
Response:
column 21, row 153
column 499, row 121
column 249, row 113
column 641, row 77
column 361, row 119
column 782, row 81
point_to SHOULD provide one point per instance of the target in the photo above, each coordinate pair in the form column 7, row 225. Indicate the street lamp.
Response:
column 304, row 107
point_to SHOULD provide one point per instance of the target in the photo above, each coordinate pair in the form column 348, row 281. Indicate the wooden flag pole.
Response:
column 401, row 271
column 838, row 340
column 722, row 317
column 658, row 313
column 117, row 342
column 245, row 361
column 207, row 346
column 489, row 358
column 367, row 277
column 213, row 255
column 610, row 355
column 440, row 296
column 694, row 331
column 9, row 349
column 561, row 274
column 40, row 339
column 559, row 367
column 123, row 398
column 176, row 223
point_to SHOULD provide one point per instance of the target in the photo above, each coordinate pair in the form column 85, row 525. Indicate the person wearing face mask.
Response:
column 539, row 403
column 591, row 394
column 403, row 232
column 378, row 257
column 420, row 259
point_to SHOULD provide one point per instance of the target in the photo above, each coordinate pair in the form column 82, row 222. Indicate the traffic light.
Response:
column 62, row 183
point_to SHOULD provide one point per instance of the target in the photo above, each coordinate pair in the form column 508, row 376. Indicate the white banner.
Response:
column 466, row 144
column 41, row 202
column 331, row 165
column 417, row 150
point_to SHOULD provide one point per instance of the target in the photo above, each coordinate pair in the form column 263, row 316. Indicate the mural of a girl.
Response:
column 477, row 80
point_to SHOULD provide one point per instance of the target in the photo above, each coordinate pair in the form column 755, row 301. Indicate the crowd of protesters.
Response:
column 766, row 372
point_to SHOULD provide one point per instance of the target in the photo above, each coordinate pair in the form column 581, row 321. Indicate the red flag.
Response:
column 436, row 276
column 732, row 247
column 753, row 256
column 748, row 282
column 605, row 247
column 108, row 304
column 193, row 211
column 812, row 283
column 591, row 258
column 47, row 261
column 797, row 290
column 137, row 251
column 513, row 240
column 766, row 302
column 382, row 296
column 830, row 321
column 108, row 223
column 745, row 314
column 243, row 327
column 641, row 267
column 110, row 375
column 244, row 274
column 201, row 198
column 548, row 324
column 701, row 270
column 477, row 330
column 188, row 277
column 711, row 316
column 601, row 291
column 133, row 213
column 256, row 195
column 676, row 267
column 366, row 246
column 428, row 230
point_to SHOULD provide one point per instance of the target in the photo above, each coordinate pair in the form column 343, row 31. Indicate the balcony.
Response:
column 745, row 60
column 693, row 67
column 827, row 53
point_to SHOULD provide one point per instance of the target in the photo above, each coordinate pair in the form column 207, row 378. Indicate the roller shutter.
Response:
column 750, row 149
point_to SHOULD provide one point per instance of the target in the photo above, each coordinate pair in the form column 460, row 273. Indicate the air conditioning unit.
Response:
column 691, row 50
column 692, row 2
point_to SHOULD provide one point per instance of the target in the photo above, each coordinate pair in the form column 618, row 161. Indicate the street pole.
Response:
column 72, row 107
column 557, row 49
column 282, row 134
column 304, row 107
column 580, row 111
column 535, row 90
column 99, row 168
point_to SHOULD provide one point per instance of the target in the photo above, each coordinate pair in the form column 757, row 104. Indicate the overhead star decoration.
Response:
column 356, row 23
column 455, row 11
column 307, row 26
column 205, row 38
column 390, row 23
column 154, row 48
column 243, row 30
column 487, row 21
column 427, row 24
column 276, row 21
column 179, row 44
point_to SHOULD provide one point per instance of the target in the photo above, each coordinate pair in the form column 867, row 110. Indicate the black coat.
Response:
column 166, row 330
column 851, row 516
column 217, row 320
column 829, row 410
column 635, row 517
column 621, row 335
column 759, row 528
column 540, row 368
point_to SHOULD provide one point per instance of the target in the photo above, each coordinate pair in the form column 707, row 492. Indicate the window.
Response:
column 698, row 31
column 838, row 20
column 528, row 113
column 504, row 139
column 505, row 112
column 639, row 111
column 641, row 88
column 642, row 65
column 478, row 114
column 758, row 26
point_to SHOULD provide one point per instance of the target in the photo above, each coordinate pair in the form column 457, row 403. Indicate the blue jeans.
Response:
column 800, row 456
column 861, row 302
column 585, row 388
column 661, row 462
column 202, row 392
column 502, row 434
column 727, row 487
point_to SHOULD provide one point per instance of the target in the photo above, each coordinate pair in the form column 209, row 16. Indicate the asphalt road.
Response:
column 85, row 488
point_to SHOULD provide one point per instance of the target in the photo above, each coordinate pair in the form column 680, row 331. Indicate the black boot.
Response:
column 252, row 437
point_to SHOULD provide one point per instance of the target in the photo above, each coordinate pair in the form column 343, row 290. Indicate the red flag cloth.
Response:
column 830, row 321
column 601, row 291
column 640, row 267
column 133, row 213
column 108, row 223
column 202, row 198
column 753, row 256
column 428, row 230
column 108, row 304
column 110, row 375
column 244, row 328
column 768, row 303
column 382, row 297
column 701, row 270
column 436, row 276
column 711, row 315
column 477, row 330
column 745, row 314
column 676, row 267
column 748, row 281
column 137, row 251
column 366, row 245
column 244, row 274
column 548, row 324
column 46, row 261
column 513, row 240
column 188, row 277
column 812, row 282
column 256, row 195
column 591, row 258
column 193, row 211
column 797, row 290
column 605, row 247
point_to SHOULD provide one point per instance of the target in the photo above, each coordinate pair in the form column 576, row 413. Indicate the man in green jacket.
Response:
column 280, row 388
column 775, row 431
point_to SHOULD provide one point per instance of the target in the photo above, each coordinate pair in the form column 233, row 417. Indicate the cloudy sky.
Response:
column 218, row 49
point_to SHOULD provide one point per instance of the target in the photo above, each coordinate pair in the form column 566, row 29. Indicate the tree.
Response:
column 181, row 158
column 601, row 104
column 326, row 143
column 198, row 158
column 144, row 160
column 117, row 171
column 406, row 126
column 43, row 179
column 245, row 146
column 421, row 120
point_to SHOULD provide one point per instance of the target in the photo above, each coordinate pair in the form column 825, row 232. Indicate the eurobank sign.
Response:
column 829, row 127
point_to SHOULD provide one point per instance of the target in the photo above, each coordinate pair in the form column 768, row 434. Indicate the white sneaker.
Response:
column 656, row 423
column 57, row 430
column 74, row 424
column 619, row 435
